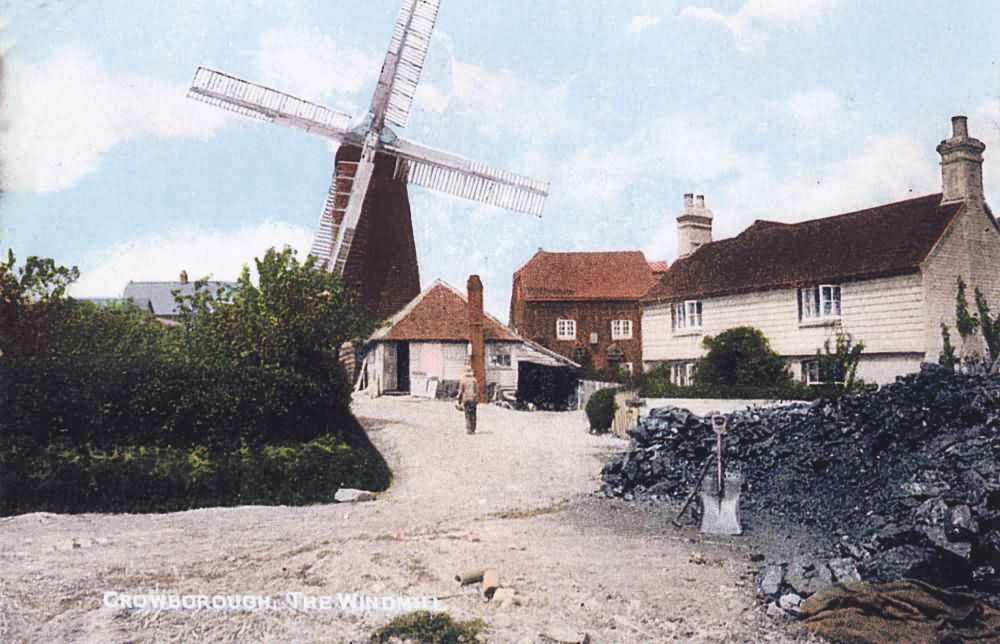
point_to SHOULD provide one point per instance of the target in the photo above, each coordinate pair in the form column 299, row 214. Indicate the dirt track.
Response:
column 518, row 496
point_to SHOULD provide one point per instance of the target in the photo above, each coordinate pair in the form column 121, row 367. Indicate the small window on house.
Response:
column 621, row 329
column 566, row 329
column 818, row 302
column 682, row 373
column 810, row 372
column 580, row 356
column 500, row 358
column 687, row 315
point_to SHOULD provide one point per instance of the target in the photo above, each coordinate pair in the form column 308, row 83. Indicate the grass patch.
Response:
column 429, row 627
column 134, row 478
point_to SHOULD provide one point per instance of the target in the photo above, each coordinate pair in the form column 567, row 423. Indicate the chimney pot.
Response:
column 688, row 200
column 960, row 127
column 699, row 202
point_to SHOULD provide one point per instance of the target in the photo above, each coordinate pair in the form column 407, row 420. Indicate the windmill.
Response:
column 365, row 232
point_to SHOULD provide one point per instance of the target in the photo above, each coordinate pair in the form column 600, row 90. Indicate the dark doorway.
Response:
column 403, row 366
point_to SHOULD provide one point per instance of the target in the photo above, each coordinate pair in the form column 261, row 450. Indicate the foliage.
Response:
column 656, row 383
column 965, row 323
column 947, row 358
column 601, row 409
column 741, row 356
column 989, row 324
column 163, row 479
column 256, row 364
column 838, row 366
column 429, row 627
column 297, row 317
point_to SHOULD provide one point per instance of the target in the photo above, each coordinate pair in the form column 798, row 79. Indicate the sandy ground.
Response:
column 518, row 496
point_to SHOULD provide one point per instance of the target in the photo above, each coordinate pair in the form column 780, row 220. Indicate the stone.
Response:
column 790, row 602
column 844, row 570
column 960, row 525
column 505, row 597
column 775, row 612
column 807, row 576
column 351, row 495
column 769, row 580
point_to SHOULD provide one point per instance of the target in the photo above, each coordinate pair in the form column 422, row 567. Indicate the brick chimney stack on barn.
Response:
column 694, row 225
column 477, row 343
column 961, row 164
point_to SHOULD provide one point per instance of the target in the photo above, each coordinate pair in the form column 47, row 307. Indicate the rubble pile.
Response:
column 901, row 482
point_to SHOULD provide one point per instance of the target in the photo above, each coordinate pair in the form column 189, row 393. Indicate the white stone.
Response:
column 350, row 495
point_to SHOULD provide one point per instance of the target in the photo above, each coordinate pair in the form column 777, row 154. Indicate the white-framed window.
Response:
column 500, row 357
column 818, row 302
column 682, row 373
column 687, row 315
column 566, row 329
column 810, row 372
column 621, row 329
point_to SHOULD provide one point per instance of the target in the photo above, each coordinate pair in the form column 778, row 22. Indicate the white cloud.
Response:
column 311, row 65
column 216, row 253
column 805, row 13
column 638, row 24
column 497, row 101
column 679, row 146
column 64, row 114
column 984, row 124
column 888, row 168
column 818, row 108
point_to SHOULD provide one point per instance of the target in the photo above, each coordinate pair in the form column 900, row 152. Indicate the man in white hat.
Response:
column 468, row 396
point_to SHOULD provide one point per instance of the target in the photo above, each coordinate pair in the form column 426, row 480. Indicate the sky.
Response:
column 773, row 109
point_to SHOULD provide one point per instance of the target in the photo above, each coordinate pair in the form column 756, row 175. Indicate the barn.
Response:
column 424, row 349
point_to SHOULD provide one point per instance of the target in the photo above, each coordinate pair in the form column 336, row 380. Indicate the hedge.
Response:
column 153, row 401
column 166, row 479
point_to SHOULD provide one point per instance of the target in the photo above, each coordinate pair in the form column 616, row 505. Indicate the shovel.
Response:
column 720, row 495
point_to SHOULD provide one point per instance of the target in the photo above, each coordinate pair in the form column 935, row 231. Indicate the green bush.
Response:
column 741, row 356
column 166, row 479
column 601, row 409
column 429, row 627
column 656, row 383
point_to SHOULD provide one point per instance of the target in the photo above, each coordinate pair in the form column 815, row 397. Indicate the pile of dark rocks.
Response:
column 900, row 482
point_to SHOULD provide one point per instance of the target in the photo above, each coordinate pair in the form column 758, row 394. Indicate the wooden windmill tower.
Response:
column 365, row 231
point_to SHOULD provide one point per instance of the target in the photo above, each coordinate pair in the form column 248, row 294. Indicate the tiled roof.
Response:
column 604, row 275
column 658, row 267
column 887, row 240
column 439, row 314
column 159, row 295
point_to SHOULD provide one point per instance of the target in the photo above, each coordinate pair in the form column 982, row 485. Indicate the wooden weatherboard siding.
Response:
column 886, row 313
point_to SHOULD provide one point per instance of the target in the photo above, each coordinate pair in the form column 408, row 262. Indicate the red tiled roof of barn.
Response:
column 439, row 314
column 658, row 267
column 604, row 275
column 887, row 240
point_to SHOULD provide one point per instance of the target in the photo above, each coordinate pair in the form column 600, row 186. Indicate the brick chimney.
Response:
column 477, row 342
column 961, row 164
column 694, row 225
column 184, row 277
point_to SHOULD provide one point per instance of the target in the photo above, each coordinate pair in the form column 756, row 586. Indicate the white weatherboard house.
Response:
column 885, row 275
column 424, row 348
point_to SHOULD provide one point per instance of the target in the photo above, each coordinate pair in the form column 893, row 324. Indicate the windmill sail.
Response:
column 455, row 175
column 359, row 189
column 257, row 101
column 404, row 61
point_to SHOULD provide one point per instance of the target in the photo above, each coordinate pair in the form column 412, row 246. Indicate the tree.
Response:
column 297, row 316
column 39, row 280
column 947, row 357
column 839, row 365
column 741, row 356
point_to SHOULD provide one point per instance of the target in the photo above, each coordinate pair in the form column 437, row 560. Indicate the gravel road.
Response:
column 518, row 496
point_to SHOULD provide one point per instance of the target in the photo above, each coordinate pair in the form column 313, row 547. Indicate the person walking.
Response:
column 468, row 396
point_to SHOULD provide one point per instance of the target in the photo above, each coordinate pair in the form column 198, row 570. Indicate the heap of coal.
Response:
column 900, row 482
